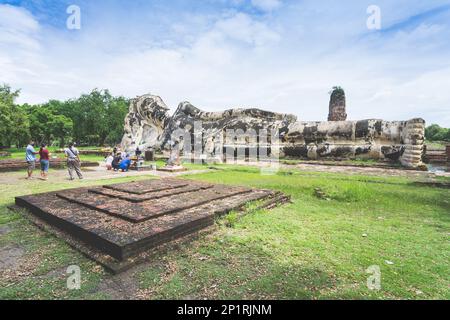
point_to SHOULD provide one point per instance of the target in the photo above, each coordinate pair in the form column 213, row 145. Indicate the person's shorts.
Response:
column 45, row 164
column 31, row 165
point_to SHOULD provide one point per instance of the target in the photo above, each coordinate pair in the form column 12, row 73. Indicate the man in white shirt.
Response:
column 73, row 161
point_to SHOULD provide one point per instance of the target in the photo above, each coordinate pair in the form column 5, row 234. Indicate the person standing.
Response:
column 138, row 152
column 116, row 162
column 73, row 161
column 31, row 159
column 44, row 159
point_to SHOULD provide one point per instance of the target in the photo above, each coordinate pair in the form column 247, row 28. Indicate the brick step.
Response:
column 135, row 227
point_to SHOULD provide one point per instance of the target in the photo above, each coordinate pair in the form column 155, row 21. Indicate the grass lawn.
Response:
column 313, row 248
column 19, row 153
column 437, row 144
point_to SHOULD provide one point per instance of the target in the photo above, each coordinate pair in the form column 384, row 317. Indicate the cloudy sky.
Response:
column 279, row 55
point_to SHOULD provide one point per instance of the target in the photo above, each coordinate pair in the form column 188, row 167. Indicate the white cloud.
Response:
column 242, row 27
column 286, row 63
column 17, row 28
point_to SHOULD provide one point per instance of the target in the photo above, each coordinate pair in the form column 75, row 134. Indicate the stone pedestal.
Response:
column 149, row 155
column 175, row 168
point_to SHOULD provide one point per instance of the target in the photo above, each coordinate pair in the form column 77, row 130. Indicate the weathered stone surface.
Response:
column 122, row 224
column 145, row 122
column 204, row 135
column 337, row 106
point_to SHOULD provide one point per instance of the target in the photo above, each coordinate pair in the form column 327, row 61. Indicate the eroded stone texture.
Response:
column 122, row 224
column 337, row 106
column 206, row 134
column 145, row 122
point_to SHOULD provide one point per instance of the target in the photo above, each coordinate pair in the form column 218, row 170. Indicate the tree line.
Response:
column 437, row 133
column 94, row 119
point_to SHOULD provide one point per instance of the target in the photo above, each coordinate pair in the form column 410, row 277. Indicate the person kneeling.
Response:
column 125, row 164
column 109, row 160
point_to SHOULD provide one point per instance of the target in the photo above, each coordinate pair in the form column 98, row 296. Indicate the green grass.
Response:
column 437, row 144
column 309, row 249
column 19, row 153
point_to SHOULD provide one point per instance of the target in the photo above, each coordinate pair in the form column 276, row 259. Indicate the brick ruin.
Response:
column 118, row 224
column 337, row 105
column 149, row 124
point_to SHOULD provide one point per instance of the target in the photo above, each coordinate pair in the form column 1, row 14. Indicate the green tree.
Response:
column 61, row 128
column 437, row 133
column 97, row 117
column 40, row 118
column 14, row 123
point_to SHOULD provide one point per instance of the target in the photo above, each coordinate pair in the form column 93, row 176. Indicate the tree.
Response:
column 20, row 127
column 61, row 128
column 95, row 119
column 14, row 121
column 437, row 133
column 40, row 118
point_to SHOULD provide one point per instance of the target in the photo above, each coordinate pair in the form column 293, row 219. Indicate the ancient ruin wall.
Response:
column 149, row 125
column 145, row 122
column 371, row 139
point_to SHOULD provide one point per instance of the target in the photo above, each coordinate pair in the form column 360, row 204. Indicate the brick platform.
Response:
column 122, row 221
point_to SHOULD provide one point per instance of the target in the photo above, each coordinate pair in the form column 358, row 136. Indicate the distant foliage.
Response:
column 337, row 91
column 437, row 133
column 96, row 118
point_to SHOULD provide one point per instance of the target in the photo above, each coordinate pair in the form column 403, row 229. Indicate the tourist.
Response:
column 138, row 152
column 73, row 161
column 114, row 152
column 116, row 162
column 109, row 160
column 44, row 160
column 125, row 163
column 31, row 159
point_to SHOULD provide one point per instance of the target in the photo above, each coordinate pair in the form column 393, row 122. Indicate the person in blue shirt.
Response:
column 125, row 164
column 31, row 159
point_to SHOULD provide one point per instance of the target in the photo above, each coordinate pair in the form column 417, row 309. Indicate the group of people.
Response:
column 118, row 160
column 72, row 155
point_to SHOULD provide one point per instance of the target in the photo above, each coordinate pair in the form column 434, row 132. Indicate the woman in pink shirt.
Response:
column 44, row 159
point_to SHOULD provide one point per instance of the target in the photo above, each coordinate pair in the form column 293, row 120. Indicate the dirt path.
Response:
column 99, row 173
column 370, row 171
column 93, row 173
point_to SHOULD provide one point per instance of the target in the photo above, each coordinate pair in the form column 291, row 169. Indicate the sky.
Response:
column 277, row 55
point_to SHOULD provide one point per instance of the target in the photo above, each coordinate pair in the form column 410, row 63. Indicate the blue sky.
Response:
column 279, row 55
